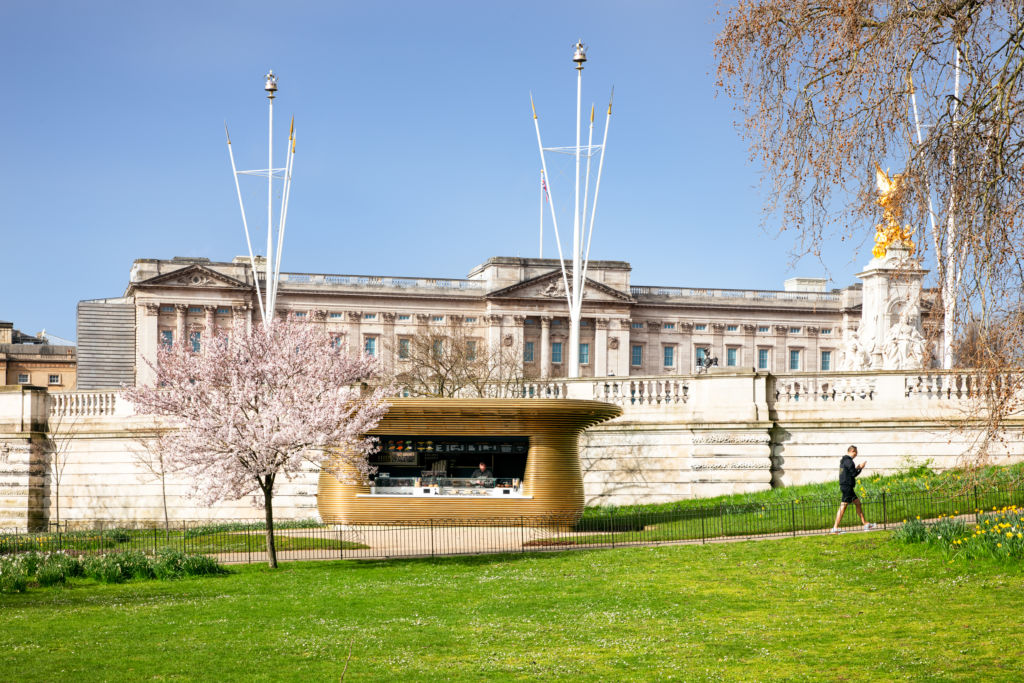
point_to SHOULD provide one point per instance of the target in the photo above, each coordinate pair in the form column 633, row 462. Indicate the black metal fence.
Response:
column 242, row 542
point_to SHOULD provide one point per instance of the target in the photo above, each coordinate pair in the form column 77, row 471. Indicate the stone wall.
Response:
column 679, row 437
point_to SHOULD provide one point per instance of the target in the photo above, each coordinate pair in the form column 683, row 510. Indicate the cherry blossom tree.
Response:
column 251, row 407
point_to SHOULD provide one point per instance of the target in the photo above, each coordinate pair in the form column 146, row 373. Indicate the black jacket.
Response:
column 847, row 472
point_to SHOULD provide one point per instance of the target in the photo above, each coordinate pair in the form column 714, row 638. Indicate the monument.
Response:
column 890, row 335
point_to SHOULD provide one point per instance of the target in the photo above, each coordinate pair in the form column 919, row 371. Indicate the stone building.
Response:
column 39, row 360
column 627, row 330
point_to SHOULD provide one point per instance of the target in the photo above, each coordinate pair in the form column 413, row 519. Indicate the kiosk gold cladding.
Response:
column 470, row 460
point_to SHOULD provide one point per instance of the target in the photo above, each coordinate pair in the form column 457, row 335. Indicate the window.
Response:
column 556, row 352
column 794, row 330
column 556, row 323
column 300, row 314
column 794, row 359
column 730, row 356
column 668, row 326
column 437, row 348
column 54, row 379
column 196, row 339
column 826, row 360
column 195, row 309
column 403, row 317
column 369, row 316
column 584, row 323
column 762, row 359
column 223, row 310
column 467, row 320
column 471, row 350
column 636, row 355
column 337, row 341
column 166, row 337
column 670, row 352
column 167, row 309
column 701, row 354
column 584, row 354
column 732, row 328
column 437, row 318
column 528, row 352
column 335, row 314
column 826, row 330
column 370, row 346
column 23, row 378
column 762, row 329
column 531, row 321
column 700, row 328
column 403, row 349
column 637, row 326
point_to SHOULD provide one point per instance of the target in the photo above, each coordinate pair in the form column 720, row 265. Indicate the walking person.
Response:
column 848, row 473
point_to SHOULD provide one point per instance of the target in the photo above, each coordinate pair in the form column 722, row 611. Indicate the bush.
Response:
column 13, row 577
column 57, row 568
column 106, row 568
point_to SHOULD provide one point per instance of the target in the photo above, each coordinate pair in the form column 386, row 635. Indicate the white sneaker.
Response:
column 869, row 526
column 836, row 531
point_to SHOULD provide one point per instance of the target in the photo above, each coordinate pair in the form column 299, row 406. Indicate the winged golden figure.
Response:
column 890, row 198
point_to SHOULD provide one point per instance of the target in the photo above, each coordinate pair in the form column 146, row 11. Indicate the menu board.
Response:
column 413, row 451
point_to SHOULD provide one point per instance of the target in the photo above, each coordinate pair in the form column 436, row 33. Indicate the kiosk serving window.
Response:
column 447, row 465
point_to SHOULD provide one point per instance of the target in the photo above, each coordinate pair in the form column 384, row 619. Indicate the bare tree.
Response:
column 829, row 87
column 450, row 360
column 153, row 459
column 60, row 432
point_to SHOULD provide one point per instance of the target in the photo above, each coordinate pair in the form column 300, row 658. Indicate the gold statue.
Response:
column 890, row 198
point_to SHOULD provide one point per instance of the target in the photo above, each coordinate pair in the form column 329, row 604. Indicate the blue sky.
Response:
column 416, row 150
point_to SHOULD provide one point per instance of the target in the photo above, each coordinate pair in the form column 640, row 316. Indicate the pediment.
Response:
column 552, row 286
column 194, row 276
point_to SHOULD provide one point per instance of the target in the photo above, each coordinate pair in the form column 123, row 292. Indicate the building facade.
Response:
column 627, row 330
column 36, row 360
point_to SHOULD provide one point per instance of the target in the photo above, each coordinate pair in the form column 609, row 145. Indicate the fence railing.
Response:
column 242, row 542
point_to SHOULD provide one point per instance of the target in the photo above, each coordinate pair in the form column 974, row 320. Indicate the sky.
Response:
column 416, row 153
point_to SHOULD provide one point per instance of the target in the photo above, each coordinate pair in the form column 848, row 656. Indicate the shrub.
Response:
column 57, row 568
column 913, row 531
column 168, row 564
column 201, row 565
column 13, row 577
column 999, row 535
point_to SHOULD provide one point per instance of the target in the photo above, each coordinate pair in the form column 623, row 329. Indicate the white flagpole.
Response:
column 597, row 186
column 245, row 225
column 551, row 195
column 271, row 88
column 541, row 251
column 574, row 321
column 285, row 195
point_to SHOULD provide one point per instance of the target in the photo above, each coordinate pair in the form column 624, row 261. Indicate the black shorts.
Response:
column 848, row 494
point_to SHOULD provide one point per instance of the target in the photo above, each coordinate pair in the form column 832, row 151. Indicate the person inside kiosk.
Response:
column 483, row 473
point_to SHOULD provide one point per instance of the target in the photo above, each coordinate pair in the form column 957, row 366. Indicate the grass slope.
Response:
column 854, row 607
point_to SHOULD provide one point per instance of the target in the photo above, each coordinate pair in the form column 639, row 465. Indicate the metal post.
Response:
column 574, row 317
column 703, row 538
column 271, row 88
column 792, row 515
column 977, row 517
column 885, row 512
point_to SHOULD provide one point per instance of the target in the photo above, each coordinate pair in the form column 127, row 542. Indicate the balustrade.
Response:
column 83, row 404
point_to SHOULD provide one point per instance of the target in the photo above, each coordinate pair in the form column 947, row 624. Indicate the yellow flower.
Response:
column 1009, row 534
column 999, row 545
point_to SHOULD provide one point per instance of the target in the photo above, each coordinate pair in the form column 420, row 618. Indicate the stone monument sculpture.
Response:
column 889, row 336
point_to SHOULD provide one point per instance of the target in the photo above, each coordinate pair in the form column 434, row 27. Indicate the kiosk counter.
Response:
column 469, row 461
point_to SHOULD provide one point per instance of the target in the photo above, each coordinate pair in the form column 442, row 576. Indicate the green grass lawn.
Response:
column 854, row 607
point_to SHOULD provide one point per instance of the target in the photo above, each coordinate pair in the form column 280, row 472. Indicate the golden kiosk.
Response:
column 470, row 460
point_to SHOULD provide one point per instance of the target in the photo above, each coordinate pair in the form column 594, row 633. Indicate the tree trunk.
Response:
column 268, row 504
column 163, row 494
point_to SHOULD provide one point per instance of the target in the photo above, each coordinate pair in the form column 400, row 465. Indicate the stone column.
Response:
column 179, row 322
column 687, row 363
column 391, row 348
column 545, row 346
column 781, row 350
column 210, row 320
column 718, row 343
column 354, row 340
column 494, row 332
column 147, row 340
column 519, row 340
column 600, row 347
column 749, row 359
column 812, row 360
